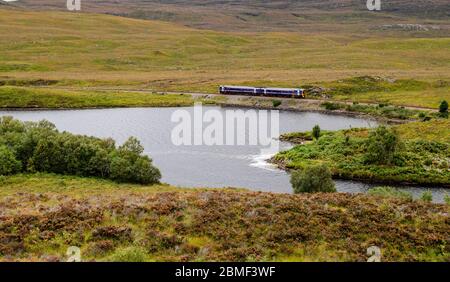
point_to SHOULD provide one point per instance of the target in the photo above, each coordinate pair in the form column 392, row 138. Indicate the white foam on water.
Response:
column 261, row 161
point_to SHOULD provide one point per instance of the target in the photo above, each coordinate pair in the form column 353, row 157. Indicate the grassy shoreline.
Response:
column 42, row 215
column 29, row 98
column 375, row 90
column 32, row 98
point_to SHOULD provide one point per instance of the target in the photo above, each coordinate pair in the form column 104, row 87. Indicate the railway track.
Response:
column 200, row 94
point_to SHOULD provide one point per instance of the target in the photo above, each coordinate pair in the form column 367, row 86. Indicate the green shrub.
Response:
column 128, row 165
column 346, row 140
column 443, row 109
column 427, row 196
column 382, row 145
column 389, row 192
column 71, row 154
column 331, row 106
column 316, row 132
column 8, row 162
column 384, row 110
column 128, row 254
column 276, row 103
column 447, row 199
column 297, row 137
column 313, row 179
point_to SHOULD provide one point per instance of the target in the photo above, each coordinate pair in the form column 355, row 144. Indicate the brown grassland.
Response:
column 42, row 215
column 78, row 50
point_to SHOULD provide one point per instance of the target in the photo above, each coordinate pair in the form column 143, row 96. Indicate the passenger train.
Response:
column 258, row 91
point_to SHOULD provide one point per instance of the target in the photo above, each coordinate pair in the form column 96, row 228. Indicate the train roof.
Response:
column 237, row 86
column 283, row 89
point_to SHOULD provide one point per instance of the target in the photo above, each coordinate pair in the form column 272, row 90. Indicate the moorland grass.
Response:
column 42, row 215
column 92, row 50
column 381, row 90
column 24, row 97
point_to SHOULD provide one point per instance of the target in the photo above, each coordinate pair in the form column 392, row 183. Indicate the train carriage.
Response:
column 237, row 90
column 260, row 91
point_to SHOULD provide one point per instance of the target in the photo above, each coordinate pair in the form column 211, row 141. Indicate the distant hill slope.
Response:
column 263, row 14
column 93, row 49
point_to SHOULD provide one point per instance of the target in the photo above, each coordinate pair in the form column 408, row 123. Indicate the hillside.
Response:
column 90, row 49
column 258, row 15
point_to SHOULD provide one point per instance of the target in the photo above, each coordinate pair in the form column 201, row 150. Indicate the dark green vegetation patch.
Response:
column 40, row 147
column 359, row 154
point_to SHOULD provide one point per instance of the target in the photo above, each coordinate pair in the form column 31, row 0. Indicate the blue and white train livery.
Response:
column 259, row 91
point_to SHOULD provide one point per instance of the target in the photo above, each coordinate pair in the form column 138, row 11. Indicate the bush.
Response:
column 128, row 254
column 447, row 199
column 443, row 109
column 389, row 192
column 8, row 162
column 128, row 165
column 316, row 132
column 385, row 111
column 427, row 196
column 331, row 106
column 382, row 145
column 70, row 154
column 313, row 179
column 276, row 103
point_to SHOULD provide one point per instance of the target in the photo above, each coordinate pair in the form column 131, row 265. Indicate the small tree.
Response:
column 8, row 162
column 443, row 109
column 381, row 145
column 316, row 132
column 128, row 165
column 313, row 179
